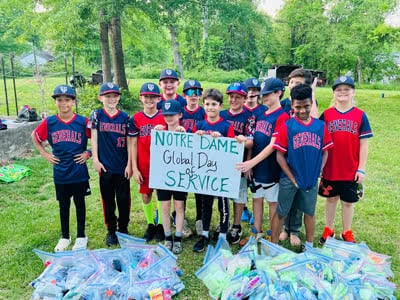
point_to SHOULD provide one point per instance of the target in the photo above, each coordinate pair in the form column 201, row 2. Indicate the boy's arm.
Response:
column 134, row 155
column 247, row 165
column 46, row 155
column 314, row 108
column 98, row 166
column 362, row 162
column 324, row 159
column 280, row 157
column 128, row 168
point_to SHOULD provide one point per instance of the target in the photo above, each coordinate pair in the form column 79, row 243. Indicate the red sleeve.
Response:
column 281, row 142
column 88, row 131
column 327, row 139
column 231, row 132
column 41, row 132
column 194, row 129
column 281, row 120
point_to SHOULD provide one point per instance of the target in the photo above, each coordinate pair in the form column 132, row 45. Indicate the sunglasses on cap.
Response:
column 193, row 92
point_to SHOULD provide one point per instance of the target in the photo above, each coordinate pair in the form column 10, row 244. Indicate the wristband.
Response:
column 361, row 171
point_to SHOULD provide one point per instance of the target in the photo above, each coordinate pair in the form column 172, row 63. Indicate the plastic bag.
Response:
column 13, row 172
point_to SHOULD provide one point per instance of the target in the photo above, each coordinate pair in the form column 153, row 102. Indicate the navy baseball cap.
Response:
column 149, row 88
column 347, row 80
column 271, row 85
column 252, row 83
column 64, row 90
column 171, row 107
column 192, row 84
column 237, row 88
column 108, row 88
column 168, row 73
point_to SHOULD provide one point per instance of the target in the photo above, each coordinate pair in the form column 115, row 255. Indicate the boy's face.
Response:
column 172, row 120
column 169, row 86
column 149, row 101
column 343, row 93
column 110, row 101
column 212, row 108
column 236, row 102
column 64, row 104
column 302, row 108
column 295, row 81
column 192, row 97
column 271, row 98
column 252, row 97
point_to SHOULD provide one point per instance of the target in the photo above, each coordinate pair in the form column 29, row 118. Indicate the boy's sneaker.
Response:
column 168, row 245
column 348, row 236
column 150, row 232
column 199, row 227
column 80, row 243
column 177, row 248
column 201, row 244
column 186, row 231
column 159, row 235
column 216, row 233
column 234, row 235
column 327, row 233
column 245, row 216
column 62, row 245
column 251, row 222
column 111, row 239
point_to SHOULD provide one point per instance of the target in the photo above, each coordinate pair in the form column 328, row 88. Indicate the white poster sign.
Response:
column 192, row 163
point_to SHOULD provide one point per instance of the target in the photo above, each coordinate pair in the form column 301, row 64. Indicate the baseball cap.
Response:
column 237, row 88
column 171, row 107
column 64, row 90
column 149, row 88
column 343, row 80
column 191, row 84
column 271, row 85
column 168, row 73
column 252, row 83
column 108, row 88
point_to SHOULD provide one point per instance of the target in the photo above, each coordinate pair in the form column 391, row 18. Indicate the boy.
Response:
column 172, row 111
column 294, row 219
column 110, row 160
column 67, row 134
column 215, row 126
column 253, row 86
column 139, row 131
column 301, row 145
column 345, row 167
column 191, row 114
column 243, row 123
column 169, row 82
column 266, row 171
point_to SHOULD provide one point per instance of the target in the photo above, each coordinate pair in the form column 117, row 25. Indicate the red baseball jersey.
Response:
column 346, row 129
column 140, row 126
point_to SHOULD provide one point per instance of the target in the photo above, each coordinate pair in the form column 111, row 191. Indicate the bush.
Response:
column 218, row 75
column 147, row 71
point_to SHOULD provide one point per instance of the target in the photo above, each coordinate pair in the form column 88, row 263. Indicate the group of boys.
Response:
column 286, row 148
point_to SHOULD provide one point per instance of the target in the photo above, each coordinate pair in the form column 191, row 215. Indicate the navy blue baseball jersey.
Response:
column 243, row 123
column 179, row 98
column 222, row 126
column 267, row 126
column 286, row 105
column 259, row 109
column 111, row 139
column 67, row 139
column 189, row 118
column 303, row 145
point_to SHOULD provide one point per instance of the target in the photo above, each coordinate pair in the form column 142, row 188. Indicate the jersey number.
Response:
column 121, row 142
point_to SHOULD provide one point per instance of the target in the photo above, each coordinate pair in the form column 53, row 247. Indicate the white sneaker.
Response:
column 80, row 243
column 62, row 245
column 186, row 231
column 199, row 227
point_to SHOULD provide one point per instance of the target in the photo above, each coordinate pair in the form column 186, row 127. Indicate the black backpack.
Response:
column 27, row 114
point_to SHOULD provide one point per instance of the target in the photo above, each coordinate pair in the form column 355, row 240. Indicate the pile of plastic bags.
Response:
column 13, row 172
column 136, row 271
column 264, row 270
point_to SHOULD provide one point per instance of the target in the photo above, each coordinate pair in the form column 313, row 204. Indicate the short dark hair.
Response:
column 301, row 92
column 214, row 94
column 299, row 72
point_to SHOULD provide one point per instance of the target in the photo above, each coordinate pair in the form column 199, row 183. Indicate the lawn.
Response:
column 29, row 212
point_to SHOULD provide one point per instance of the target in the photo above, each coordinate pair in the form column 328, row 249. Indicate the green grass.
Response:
column 29, row 212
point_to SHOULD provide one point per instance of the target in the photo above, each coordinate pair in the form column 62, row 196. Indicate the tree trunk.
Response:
column 204, row 21
column 118, row 53
column 359, row 70
column 105, row 50
column 175, row 47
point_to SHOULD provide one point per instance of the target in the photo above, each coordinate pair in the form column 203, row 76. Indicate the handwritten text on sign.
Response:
column 191, row 163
